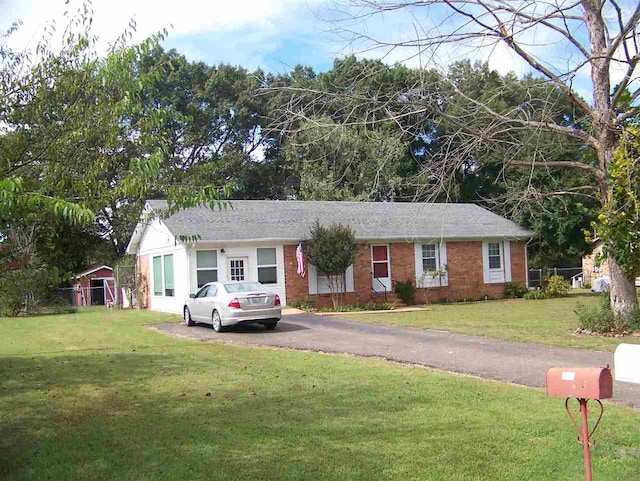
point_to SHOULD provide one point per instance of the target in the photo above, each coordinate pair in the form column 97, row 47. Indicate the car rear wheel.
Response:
column 216, row 322
column 187, row 318
column 271, row 325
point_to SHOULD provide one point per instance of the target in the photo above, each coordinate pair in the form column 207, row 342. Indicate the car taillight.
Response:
column 277, row 303
column 235, row 303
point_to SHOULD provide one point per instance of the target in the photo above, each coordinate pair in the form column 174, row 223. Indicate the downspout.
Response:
column 189, row 252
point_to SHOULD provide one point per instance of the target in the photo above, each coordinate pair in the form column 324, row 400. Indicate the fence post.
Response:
column 116, row 283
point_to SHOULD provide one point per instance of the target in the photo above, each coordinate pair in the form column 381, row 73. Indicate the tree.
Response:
column 618, row 224
column 332, row 250
column 80, row 145
column 333, row 162
column 595, row 36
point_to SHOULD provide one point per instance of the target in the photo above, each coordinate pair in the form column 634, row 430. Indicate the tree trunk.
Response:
column 624, row 299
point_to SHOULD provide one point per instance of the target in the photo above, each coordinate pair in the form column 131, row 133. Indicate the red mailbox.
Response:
column 580, row 382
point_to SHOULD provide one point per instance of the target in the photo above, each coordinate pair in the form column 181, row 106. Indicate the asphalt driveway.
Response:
column 515, row 362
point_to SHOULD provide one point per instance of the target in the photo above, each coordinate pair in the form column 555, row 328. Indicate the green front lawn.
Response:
column 549, row 321
column 97, row 395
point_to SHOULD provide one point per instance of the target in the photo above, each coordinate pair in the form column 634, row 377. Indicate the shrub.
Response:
column 514, row 290
column 370, row 306
column 536, row 295
column 332, row 250
column 557, row 286
column 303, row 305
column 596, row 319
column 405, row 292
column 634, row 320
column 23, row 290
column 586, row 285
column 601, row 318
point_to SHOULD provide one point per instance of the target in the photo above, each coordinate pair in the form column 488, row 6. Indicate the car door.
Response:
column 199, row 305
column 209, row 303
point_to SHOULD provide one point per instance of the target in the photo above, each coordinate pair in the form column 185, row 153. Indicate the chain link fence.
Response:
column 538, row 276
column 119, row 292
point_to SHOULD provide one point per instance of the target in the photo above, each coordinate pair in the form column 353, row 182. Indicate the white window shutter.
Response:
column 485, row 262
column 349, row 284
column 444, row 279
column 418, row 260
column 507, row 261
column 312, row 275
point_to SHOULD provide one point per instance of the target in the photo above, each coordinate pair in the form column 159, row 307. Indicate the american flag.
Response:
column 300, row 258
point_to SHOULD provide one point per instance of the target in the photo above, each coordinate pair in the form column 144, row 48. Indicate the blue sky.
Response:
column 275, row 35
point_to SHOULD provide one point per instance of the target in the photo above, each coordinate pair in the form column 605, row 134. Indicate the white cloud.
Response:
column 184, row 17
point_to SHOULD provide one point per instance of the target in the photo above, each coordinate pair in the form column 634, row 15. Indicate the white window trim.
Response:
column 313, row 280
column 245, row 267
column 503, row 274
column 427, row 280
column 258, row 265
column 207, row 268
column 163, row 290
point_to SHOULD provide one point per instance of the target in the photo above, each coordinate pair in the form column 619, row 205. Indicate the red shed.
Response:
column 94, row 287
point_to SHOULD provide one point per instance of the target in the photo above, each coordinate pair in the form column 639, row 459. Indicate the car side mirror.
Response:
column 192, row 296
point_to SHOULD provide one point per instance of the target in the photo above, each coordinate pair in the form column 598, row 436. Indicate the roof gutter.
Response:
column 363, row 239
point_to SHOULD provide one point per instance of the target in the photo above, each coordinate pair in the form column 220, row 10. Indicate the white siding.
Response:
column 173, row 303
column 156, row 236
column 250, row 252
column 158, row 241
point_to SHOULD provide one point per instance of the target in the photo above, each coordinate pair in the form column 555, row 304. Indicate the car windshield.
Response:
column 243, row 287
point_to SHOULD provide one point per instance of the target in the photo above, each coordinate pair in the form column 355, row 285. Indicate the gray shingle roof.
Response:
column 291, row 220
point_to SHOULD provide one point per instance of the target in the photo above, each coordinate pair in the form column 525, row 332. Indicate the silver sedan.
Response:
column 224, row 304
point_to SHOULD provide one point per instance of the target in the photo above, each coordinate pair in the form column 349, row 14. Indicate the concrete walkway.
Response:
column 515, row 362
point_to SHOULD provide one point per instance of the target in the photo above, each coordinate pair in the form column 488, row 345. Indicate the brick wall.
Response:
column 296, row 287
column 518, row 262
column 589, row 268
column 464, row 270
column 143, row 276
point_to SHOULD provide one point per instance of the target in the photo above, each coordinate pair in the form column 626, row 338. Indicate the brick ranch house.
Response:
column 448, row 251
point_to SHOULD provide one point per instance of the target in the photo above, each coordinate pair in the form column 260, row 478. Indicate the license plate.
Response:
column 257, row 300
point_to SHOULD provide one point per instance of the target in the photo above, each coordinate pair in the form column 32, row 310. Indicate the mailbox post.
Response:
column 583, row 384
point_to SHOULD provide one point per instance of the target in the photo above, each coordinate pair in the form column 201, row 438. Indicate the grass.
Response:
column 550, row 321
column 96, row 396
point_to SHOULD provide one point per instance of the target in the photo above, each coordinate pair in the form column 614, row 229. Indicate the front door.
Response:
column 237, row 269
column 380, row 268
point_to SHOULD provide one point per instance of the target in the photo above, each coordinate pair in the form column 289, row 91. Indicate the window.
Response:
column 495, row 260
column 206, row 267
column 319, row 282
column 236, row 269
column 323, row 284
column 202, row 292
column 163, row 276
column 157, row 276
column 267, row 266
column 242, row 287
column 168, row 276
column 212, row 291
column 429, row 259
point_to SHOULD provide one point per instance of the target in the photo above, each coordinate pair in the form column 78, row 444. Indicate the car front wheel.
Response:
column 187, row 318
column 216, row 322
